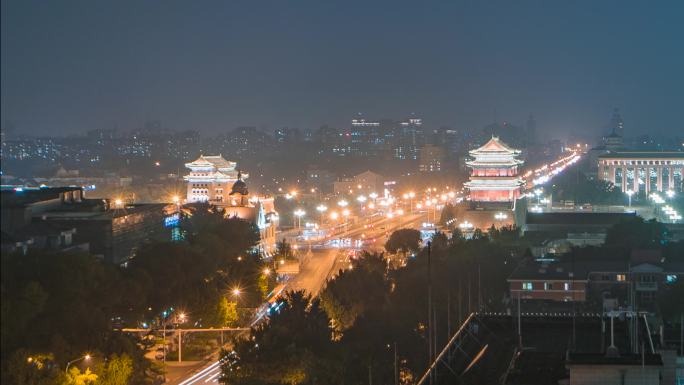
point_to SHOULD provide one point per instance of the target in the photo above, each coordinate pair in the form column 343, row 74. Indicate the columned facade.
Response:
column 643, row 172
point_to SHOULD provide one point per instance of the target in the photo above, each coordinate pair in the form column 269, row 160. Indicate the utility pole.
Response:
column 164, row 341
column 180, row 342
column 479, row 289
column 434, row 338
column 396, row 365
column 429, row 312
column 449, row 321
column 519, row 324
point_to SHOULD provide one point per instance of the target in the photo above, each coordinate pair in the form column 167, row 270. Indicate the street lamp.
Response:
column 118, row 202
column 342, row 203
column 321, row 209
column 345, row 213
column 465, row 225
column 86, row 358
column 629, row 194
column 361, row 198
column 538, row 192
column 670, row 193
column 500, row 216
column 299, row 213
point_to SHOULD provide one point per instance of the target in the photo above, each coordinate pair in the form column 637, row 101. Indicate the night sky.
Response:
column 69, row 66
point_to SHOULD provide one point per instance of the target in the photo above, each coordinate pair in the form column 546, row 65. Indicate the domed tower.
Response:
column 239, row 193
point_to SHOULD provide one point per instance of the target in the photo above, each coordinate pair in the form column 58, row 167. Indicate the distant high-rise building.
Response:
column 288, row 135
column 431, row 158
column 410, row 138
column 616, row 124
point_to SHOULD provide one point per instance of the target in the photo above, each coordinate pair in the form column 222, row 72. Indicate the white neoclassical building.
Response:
column 642, row 172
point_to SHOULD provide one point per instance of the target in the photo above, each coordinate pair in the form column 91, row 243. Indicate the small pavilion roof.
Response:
column 495, row 146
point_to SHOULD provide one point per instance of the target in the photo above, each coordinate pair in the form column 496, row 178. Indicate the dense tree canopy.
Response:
column 574, row 185
column 62, row 305
column 355, row 291
column 636, row 233
column 404, row 241
column 376, row 311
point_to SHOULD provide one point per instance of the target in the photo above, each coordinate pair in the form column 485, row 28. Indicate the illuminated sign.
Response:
column 172, row 220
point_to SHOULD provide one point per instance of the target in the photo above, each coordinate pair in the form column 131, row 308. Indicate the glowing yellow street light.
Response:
column 342, row 203
column 237, row 291
column 267, row 271
column 334, row 215
column 86, row 357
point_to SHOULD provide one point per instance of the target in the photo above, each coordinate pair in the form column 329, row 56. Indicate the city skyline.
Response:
column 239, row 65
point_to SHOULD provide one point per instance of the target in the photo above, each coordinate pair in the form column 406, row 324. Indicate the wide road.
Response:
column 316, row 268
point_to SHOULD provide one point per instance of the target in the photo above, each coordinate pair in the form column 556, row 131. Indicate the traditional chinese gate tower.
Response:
column 494, row 173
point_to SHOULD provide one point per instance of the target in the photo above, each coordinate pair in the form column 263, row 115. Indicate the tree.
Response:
column 117, row 371
column 288, row 349
column 201, row 217
column 284, row 250
column 227, row 312
column 671, row 303
column 75, row 377
column 355, row 291
column 23, row 368
column 636, row 233
column 447, row 215
column 575, row 186
column 403, row 240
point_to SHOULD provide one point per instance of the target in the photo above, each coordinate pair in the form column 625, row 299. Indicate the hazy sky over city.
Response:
column 69, row 66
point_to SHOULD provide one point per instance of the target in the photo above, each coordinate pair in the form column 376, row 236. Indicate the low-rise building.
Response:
column 63, row 219
column 577, row 281
column 366, row 182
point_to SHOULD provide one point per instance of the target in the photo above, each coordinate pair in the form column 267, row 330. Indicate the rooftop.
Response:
column 17, row 197
column 495, row 146
column 622, row 359
column 643, row 155
column 576, row 218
